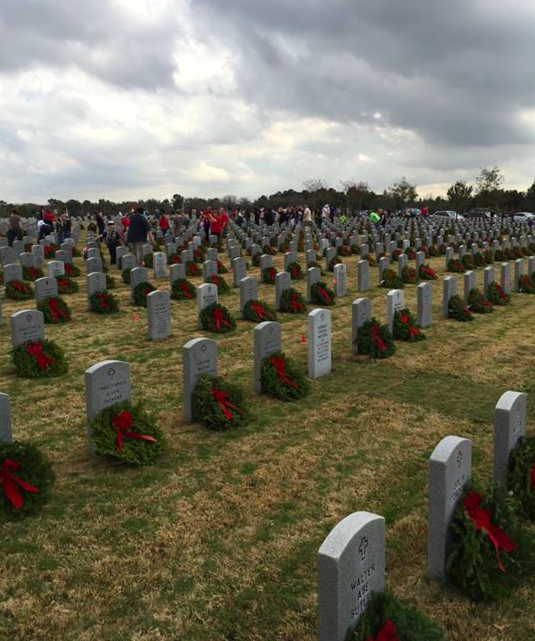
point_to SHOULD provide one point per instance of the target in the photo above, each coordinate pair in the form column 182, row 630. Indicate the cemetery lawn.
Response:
column 218, row 541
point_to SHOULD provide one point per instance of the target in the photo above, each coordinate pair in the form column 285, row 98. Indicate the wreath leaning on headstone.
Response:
column 141, row 291
column 291, row 302
column 32, row 273
column 268, row 275
column 66, row 285
column 218, row 404
column 18, row 290
column 334, row 261
column 391, row 280
column 477, row 303
column 295, row 271
column 125, row 275
column 103, row 303
column 221, row 269
column 521, row 477
column 457, row 310
column 26, row 477
column 526, row 285
column 39, row 359
column 375, row 340
column 258, row 311
column 55, row 310
column 388, row 619
column 182, row 289
column 220, row 283
column 282, row 379
column 425, row 272
column 455, row 266
column 321, row 294
column 497, row 295
column 405, row 327
column 192, row 269
column 409, row 275
column 72, row 270
column 490, row 551
column 148, row 261
column 128, row 433
column 216, row 318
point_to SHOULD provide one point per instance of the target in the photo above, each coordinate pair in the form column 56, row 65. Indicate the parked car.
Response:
column 484, row 214
column 447, row 213
column 523, row 216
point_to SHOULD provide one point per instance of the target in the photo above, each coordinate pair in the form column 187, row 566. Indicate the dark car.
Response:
column 482, row 214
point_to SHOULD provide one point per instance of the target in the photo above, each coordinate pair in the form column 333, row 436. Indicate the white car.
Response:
column 522, row 216
column 447, row 213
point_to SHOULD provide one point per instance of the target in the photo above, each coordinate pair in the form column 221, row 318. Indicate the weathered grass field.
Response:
column 218, row 542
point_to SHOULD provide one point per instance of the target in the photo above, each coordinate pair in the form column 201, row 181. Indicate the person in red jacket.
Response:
column 216, row 224
column 163, row 223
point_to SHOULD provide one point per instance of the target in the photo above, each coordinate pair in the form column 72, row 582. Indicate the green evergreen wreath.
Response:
column 489, row 257
column 334, row 261
column 473, row 563
column 296, row 273
column 39, row 359
column 192, row 269
column 110, row 282
column 458, row 310
column 125, row 275
column 50, row 251
column 182, row 289
column 220, row 283
column 23, row 462
column 269, row 275
column 409, row 275
column 282, row 379
column 118, row 432
column 344, row 250
column 391, row 280
column 405, row 327
column 455, row 266
column 499, row 256
column 526, row 285
column 18, row 290
column 425, row 272
column 174, row 259
column 221, row 269
column 103, row 303
column 409, row 623
column 256, row 260
column 477, row 303
column 467, row 262
column 198, row 255
column 496, row 295
column 227, row 412
column 148, row 261
column 411, row 253
column 258, row 311
column 375, row 340
column 315, row 263
column 67, row 285
column 55, row 310
column 216, row 318
column 32, row 273
column 321, row 294
column 141, row 291
column 479, row 259
column 268, row 249
column 291, row 302
column 72, row 270
column 521, row 477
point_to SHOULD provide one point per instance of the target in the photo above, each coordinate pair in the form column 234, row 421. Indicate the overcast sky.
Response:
column 129, row 99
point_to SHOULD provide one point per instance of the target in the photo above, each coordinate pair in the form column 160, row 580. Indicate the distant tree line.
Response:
column 350, row 195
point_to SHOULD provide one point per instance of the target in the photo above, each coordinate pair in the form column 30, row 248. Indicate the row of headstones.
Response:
column 35, row 258
column 351, row 560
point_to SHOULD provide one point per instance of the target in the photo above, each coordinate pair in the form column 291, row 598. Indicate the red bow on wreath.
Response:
column 295, row 272
column 413, row 331
column 376, row 336
column 481, row 519
column 9, row 482
column 501, row 293
column 185, row 290
column 123, row 422
column 219, row 318
column 428, row 271
column 55, row 309
column 532, row 476
column 280, row 366
column 42, row 360
column 18, row 286
column 388, row 632
column 221, row 397
column 103, row 300
column 323, row 293
column 63, row 283
column 296, row 305
column 258, row 310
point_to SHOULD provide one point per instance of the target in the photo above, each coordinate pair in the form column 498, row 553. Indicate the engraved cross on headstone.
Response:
column 362, row 548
